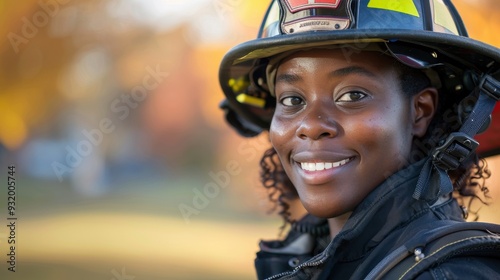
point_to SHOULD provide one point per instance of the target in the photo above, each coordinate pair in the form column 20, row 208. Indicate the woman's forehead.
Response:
column 336, row 58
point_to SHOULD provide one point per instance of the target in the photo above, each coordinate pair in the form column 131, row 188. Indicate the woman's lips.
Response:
column 319, row 172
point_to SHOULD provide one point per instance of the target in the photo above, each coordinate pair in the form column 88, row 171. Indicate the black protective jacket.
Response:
column 385, row 219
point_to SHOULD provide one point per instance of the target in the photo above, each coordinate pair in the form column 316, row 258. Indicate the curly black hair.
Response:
column 468, row 179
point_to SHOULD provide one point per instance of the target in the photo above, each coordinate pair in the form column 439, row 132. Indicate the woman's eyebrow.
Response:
column 287, row 78
column 292, row 78
column 352, row 70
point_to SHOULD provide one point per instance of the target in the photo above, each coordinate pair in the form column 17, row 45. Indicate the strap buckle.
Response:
column 491, row 87
column 456, row 149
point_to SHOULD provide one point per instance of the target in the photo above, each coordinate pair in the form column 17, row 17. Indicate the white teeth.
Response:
column 311, row 166
column 318, row 166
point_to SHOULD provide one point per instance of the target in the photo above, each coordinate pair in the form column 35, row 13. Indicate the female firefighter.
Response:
column 372, row 108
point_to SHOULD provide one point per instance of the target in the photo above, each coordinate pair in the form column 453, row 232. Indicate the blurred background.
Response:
column 124, row 166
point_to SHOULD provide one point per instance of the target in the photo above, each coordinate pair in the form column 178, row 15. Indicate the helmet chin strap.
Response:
column 434, row 181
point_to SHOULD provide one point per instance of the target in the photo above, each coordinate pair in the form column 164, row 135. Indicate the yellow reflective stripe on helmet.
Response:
column 442, row 16
column 251, row 100
column 402, row 6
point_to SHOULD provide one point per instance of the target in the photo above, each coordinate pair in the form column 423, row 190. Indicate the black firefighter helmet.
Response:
column 423, row 34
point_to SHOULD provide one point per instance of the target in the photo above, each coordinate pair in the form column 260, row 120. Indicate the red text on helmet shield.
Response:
column 298, row 5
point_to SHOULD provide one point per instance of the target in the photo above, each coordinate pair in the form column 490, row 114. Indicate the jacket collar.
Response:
column 387, row 207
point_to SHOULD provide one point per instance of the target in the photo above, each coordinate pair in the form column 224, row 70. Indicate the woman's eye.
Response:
column 292, row 101
column 351, row 96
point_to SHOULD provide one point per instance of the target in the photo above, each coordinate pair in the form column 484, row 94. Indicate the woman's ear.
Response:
column 424, row 105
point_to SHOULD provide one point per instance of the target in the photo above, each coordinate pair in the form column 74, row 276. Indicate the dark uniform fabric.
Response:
column 384, row 220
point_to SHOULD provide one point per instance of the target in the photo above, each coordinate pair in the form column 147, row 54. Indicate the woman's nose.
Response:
column 316, row 125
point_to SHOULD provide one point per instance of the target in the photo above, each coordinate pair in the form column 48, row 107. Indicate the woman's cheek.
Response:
column 370, row 136
column 278, row 128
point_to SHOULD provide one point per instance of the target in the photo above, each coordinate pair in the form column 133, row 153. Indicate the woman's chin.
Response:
column 322, row 212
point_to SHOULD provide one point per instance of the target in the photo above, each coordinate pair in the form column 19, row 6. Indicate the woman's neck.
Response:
column 336, row 224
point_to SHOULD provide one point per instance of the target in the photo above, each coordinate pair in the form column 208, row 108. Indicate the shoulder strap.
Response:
column 438, row 245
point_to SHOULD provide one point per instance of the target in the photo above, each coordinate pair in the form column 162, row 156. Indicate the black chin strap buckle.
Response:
column 491, row 87
column 456, row 149
column 460, row 145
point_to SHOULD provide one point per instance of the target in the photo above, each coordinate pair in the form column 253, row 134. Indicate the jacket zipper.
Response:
column 290, row 273
column 312, row 263
column 306, row 264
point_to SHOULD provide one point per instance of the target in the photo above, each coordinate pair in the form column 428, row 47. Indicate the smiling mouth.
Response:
column 319, row 166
